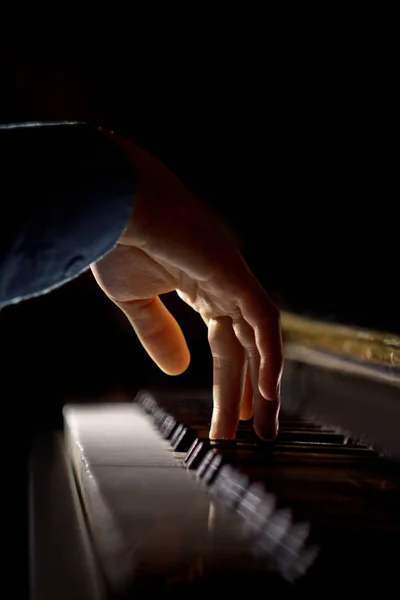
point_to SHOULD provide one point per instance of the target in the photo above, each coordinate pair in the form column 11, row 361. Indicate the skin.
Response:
column 172, row 242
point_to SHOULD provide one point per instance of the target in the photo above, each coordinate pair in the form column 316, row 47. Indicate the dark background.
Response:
column 296, row 153
column 290, row 138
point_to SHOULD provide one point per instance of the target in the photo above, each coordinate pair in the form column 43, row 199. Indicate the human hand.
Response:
column 174, row 243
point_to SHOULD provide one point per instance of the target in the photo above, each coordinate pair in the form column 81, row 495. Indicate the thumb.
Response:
column 159, row 334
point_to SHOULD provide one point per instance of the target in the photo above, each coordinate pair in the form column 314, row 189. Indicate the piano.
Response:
column 318, row 510
column 133, row 498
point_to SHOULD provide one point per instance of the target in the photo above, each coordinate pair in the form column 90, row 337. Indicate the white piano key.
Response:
column 62, row 563
column 117, row 434
column 149, row 519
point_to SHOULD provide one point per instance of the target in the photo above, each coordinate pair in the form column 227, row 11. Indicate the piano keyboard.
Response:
column 167, row 507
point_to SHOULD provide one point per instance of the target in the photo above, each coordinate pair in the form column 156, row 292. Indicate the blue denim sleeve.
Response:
column 67, row 192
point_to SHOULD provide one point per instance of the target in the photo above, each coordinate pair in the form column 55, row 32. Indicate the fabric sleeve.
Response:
column 67, row 192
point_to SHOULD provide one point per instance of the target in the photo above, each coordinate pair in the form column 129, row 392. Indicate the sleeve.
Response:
column 67, row 192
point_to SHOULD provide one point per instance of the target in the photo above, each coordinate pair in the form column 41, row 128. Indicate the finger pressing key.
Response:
column 264, row 319
column 246, row 407
column 265, row 410
column 229, row 369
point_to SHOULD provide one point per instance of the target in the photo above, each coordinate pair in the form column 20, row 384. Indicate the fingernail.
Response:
column 267, row 436
column 272, row 394
column 267, row 431
column 222, row 431
column 266, row 419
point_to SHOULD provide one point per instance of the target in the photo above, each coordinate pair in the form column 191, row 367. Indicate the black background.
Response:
column 295, row 150
column 290, row 138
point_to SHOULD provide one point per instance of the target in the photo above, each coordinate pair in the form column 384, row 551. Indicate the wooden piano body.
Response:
column 134, row 499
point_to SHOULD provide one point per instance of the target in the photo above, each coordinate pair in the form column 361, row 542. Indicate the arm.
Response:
column 67, row 192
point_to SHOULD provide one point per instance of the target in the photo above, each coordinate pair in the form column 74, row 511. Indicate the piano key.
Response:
column 229, row 486
column 150, row 521
column 318, row 474
column 327, row 495
column 255, row 508
column 305, row 559
column 324, row 437
column 168, row 427
column 196, row 453
column 147, row 401
column 274, row 531
column 209, row 467
column 308, row 452
column 187, row 436
column 205, row 463
column 120, row 443
column 63, row 565
column 177, row 432
column 287, row 554
column 300, row 424
column 185, row 439
column 243, row 454
column 159, row 417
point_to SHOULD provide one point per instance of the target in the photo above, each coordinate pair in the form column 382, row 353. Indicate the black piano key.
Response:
column 205, row 463
column 274, row 531
column 246, row 434
column 185, row 439
column 340, row 484
column 201, row 446
column 280, row 477
column 201, row 430
column 196, row 454
column 255, row 508
column 147, row 402
column 326, row 494
column 191, row 450
column 241, row 454
column 159, row 417
column 137, row 506
column 229, row 485
column 294, row 434
column 287, row 554
column 168, row 427
column 323, row 452
column 305, row 559
column 209, row 466
column 199, row 433
column 288, row 423
column 177, row 432
column 316, row 437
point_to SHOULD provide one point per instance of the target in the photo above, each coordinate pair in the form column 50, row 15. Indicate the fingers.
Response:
column 246, row 407
column 263, row 317
column 159, row 333
column 269, row 344
column 265, row 411
column 229, row 370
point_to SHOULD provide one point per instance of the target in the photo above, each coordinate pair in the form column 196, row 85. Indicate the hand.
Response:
column 173, row 243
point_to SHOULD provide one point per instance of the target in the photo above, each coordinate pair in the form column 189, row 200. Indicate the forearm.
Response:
column 67, row 192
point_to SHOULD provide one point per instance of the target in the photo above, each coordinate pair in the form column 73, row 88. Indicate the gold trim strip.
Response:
column 359, row 344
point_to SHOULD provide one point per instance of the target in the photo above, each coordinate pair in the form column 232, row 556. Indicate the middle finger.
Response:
column 229, row 369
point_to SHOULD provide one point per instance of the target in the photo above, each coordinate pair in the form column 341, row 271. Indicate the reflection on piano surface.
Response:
column 167, row 509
